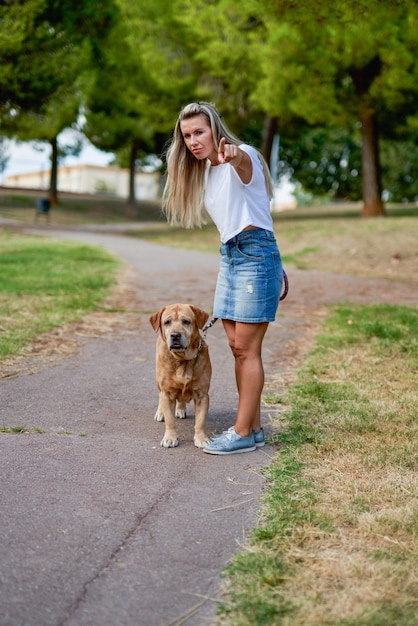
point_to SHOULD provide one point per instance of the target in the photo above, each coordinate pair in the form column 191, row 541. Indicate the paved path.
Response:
column 100, row 525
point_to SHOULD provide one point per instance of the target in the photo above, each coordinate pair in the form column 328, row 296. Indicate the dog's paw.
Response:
column 199, row 441
column 168, row 442
column 159, row 417
column 181, row 409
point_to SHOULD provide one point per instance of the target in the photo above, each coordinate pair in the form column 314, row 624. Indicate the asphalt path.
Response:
column 100, row 526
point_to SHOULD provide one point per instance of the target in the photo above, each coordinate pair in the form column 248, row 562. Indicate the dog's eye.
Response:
column 186, row 322
column 167, row 322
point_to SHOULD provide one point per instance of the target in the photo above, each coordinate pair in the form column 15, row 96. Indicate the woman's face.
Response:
column 197, row 135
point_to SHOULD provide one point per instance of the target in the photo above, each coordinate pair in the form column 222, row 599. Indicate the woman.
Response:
column 209, row 168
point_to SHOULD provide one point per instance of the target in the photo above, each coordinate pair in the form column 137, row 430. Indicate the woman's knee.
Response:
column 245, row 352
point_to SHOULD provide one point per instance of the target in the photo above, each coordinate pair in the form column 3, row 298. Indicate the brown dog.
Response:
column 183, row 369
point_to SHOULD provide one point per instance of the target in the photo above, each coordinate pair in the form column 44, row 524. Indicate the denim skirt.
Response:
column 250, row 278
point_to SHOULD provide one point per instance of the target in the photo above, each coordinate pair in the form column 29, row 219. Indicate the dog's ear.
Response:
column 200, row 315
column 155, row 319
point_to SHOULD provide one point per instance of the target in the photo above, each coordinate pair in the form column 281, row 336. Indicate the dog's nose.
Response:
column 175, row 336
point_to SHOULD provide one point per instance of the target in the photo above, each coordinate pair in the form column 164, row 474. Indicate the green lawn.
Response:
column 45, row 284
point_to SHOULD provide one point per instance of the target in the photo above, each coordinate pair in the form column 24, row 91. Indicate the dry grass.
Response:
column 337, row 542
column 366, row 487
column 341, row 243
column 74, row 209
column 333, row 239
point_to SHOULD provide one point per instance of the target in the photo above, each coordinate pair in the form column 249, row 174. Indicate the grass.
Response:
column 20, row 430
column 337, row 541
column 330, row 239
column 75, row 209
column 45, row 284
column 33, row 430
column 337, row 538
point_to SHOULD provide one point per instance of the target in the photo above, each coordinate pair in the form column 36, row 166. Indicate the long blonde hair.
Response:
column 183, row 196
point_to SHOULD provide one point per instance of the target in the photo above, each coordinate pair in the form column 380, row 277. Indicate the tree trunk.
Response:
column 370, row 174
column 53, row 182
column 132, row 207
column 269, row 130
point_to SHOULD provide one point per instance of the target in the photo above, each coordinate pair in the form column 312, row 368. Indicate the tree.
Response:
column 400, row 167
column 117, row 109
column 327, row 161
column 45, row 125
column 345, row 63
column 324, row 160
column 339, row 63
column 139, row 86
column 224, row 61
column 47, row 49
column 4, row 157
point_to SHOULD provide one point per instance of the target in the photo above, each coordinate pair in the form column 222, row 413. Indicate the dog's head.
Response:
column 179, row 325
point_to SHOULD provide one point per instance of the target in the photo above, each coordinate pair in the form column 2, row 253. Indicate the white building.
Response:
column 91, row 179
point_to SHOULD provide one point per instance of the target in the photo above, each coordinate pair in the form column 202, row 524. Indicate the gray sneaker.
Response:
column 224, row 432
column 230, row 443
column 258, row 436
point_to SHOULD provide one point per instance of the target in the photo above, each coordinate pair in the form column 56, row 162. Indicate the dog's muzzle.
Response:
column 176, row 342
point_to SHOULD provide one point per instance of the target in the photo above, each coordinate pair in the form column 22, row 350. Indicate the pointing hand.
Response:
column 229, row 153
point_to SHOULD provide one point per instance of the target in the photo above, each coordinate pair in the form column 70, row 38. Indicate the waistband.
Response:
column 253, row 233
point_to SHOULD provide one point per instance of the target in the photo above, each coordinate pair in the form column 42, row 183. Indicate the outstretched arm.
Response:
column 240, row 160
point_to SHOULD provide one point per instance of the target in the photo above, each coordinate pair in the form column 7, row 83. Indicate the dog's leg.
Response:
column 181, row 412
column 168, row 410
column 159, row 415
column 181, row 409
column 201, row 406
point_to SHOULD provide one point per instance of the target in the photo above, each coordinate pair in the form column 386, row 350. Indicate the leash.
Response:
column 285, row 291
column 286, row 286
column 208, row 325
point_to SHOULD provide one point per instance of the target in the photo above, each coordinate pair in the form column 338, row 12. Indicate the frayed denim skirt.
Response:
column 250, row 278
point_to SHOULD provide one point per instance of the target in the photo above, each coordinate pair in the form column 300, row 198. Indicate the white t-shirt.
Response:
column 232, row 204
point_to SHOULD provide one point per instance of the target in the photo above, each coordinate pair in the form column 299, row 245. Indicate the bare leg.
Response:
column 245, row 341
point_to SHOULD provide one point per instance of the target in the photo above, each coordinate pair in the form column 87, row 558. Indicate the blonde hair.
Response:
column 183, row 196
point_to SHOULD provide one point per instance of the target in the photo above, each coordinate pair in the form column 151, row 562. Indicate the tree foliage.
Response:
column 114, row 119
column 47, row 50
column 349, row 64
column 138, row 83
column 341, row 64
column 337, row 80
column 327, row 161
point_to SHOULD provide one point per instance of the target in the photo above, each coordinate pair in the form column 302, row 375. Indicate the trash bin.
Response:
column 42, row 207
